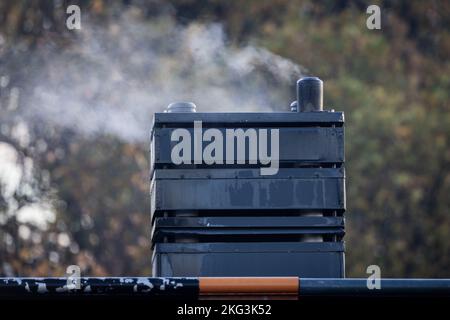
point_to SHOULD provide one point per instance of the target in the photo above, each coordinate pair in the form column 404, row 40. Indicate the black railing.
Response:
column 198, row 288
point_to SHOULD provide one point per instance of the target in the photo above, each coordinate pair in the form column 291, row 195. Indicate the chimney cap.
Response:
column 181, row 106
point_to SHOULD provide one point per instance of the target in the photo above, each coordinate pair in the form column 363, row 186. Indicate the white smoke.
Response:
column 113, row 78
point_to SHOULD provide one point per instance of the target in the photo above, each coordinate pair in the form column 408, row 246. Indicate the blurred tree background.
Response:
column 393, row 84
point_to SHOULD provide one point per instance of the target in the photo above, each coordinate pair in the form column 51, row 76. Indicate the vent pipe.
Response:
column 309, row 94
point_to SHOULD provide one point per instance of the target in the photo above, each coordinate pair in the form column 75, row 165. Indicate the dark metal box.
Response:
column 308, row 260
column 238, row 190
column 230, row 220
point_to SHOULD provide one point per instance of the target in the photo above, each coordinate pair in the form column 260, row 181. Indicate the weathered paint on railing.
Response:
column 112, row 286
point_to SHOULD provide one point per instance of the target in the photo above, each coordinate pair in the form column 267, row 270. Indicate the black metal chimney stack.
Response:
column 227, row 219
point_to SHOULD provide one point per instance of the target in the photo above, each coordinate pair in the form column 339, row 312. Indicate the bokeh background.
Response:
column 76, row 109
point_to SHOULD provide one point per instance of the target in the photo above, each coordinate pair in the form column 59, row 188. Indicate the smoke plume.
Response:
column 111, row 79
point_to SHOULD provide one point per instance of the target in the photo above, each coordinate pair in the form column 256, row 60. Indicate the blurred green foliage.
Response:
column 393, row 84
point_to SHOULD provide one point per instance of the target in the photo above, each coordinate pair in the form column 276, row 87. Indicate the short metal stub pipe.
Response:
column 294, row 106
